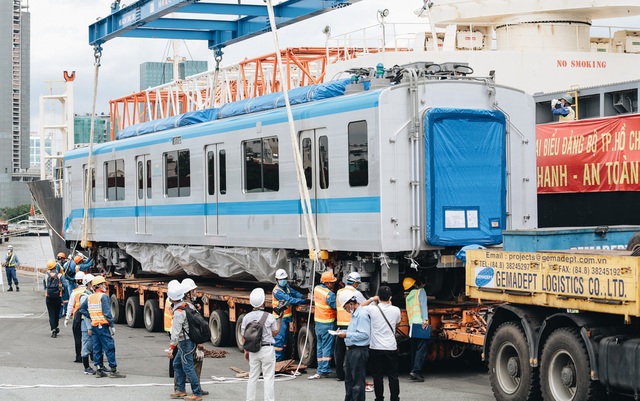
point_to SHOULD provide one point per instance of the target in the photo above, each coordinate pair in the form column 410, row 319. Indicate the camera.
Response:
column 282, row 306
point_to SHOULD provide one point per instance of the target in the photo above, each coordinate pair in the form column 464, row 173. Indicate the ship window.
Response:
column 323, row 160
column 211, row 178
column 261, row 173
column 114, row 173
column 307, row 161
column 93, row 183
column 177, row 172
column 358, row 154
column 222, row 160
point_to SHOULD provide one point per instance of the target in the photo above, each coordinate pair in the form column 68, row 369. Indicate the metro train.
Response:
column 403, row 170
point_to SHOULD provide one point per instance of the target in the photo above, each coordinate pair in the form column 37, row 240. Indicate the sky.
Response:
column 59, row 42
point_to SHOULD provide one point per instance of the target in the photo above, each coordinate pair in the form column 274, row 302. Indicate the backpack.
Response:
column 253, row 334
column 199, row 331
column 54, row 286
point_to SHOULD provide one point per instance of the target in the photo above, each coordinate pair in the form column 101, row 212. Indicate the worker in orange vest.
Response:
column 324, row 316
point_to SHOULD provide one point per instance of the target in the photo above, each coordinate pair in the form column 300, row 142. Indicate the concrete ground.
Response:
column 34, row 366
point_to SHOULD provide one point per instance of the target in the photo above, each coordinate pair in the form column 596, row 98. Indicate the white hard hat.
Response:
column 281, row 274
column 188, row 285
column 175, row 293
column 257, row 297
column 173, row 283
column 354, row 277
column 80, row 276
column 346, row 296
column 87, row 278
column 10, row 247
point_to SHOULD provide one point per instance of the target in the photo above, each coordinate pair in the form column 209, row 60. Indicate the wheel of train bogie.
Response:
column 117, row 310
column 511, row 376
column 306, row 355
column 565, row 368
column 134, row 312
column 220, row 328
column 132, row 267
column 153, row 316
column 238, row 331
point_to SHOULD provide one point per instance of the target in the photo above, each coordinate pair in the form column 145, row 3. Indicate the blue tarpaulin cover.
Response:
column 465, row 173
column 188, row 118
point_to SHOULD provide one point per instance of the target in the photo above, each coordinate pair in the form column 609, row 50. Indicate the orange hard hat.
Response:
column 77, row 259
column 328, row 277
column 62, row 255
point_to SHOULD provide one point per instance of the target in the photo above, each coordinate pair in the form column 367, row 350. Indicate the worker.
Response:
column 52, row 284
column 61, row 267
column 265, row 359
column 562, row 108
column 168, row 320
column 61, row 261
column 325, row 318
column 74, row 304
column 283, row 292
column 183, row 360
column 357, row 338
column 417, row 313
column 11, row 262
column 192, row 298
column 343, row 318
column 98, row 309
column 87, row 341
column 77, row 264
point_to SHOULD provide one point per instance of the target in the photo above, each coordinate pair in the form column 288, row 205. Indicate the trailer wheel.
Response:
column 153, row 316
column 634, row 242
column 510, row 374
column 307, row 355
column 134, row 312
column 117, row 309
column 220, row 328
column 238, row 331
column 565, row 369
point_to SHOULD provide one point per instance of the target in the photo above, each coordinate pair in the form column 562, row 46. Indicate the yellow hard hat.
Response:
column 328, row 277
column 98, row 280
column 408, row 282
column 51, row 264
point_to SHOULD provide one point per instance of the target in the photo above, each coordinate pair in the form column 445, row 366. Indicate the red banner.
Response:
column 599, row 155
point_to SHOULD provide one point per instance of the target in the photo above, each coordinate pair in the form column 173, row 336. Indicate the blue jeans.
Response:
column 324, row 346
column 419, row 352
column 103, row 342
column 183, row 366
column 87, row 344
column 282, row 338
column 11, row 276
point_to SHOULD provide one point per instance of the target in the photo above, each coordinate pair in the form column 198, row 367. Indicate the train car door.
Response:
column 314, row 148
column 143, row 193
column 216, row 189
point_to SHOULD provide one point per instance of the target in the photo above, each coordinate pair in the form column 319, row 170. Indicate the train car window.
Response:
column 307, row 161
column 149, row 179
column 140, row 180
column 211, row 178
column 93, row 182
column 177, row 168
column 323, row 160
column 222, row 160
column 358, row 154
column 262, row 168
column 114, row 174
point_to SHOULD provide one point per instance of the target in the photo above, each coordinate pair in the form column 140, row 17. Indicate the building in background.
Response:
column 15, row 21
column 154, row 74
column 82, row 129
column 34, row 150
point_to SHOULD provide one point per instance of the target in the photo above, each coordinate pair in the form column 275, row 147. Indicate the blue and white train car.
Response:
column 400, row 176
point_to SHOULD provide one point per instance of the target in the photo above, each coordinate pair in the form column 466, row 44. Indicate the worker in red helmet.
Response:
column 324, row 299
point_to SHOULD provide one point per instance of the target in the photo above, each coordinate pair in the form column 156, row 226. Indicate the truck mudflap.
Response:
column 619, row 363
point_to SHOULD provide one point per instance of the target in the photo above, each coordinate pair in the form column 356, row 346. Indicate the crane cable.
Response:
column 97, row 54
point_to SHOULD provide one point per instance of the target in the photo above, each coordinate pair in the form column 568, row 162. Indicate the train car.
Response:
column 400, row 177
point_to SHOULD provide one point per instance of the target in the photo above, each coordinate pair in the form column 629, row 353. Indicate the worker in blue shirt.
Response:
column 76, row 265
column 10, row 263
column 283, row 292
column 562, row 108
column 357, row 339
column 325, row 318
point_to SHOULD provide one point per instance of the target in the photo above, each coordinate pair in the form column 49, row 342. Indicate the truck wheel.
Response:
column 153, row 316
column 510, row 374
column 220, row 328
column 634, row 242
column 239, row 338
column 307, row 355
column 117, row 309
column 565, row 369
column 134, row 312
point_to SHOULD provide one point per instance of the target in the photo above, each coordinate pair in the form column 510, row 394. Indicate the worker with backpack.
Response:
column 258, row 331
column 53, row 287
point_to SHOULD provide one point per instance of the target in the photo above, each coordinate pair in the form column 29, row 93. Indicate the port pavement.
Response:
column 34, row 366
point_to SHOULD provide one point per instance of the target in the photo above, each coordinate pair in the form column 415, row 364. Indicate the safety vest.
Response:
column 10, row 261
column 569, row 117
column 414, row 314
column 95, row 310
column 323, row 312
column 274, row 302
column 75, row 295
column 343, row 316
column 168, row 315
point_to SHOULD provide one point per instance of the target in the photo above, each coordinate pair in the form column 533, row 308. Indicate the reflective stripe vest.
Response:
column 75, row 295
column 343, row 316
column 11, row 261
column 168, row 315
column 414, row 314
column 95, row 310
column 323, row 312
column 274, row 302
column 569, row 117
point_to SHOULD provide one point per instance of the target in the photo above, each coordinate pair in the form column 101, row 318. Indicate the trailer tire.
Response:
column 220, row 328
column 153, row 316
column 134, row 312
column 634, row 242
column 238, row 331
column 117, row 310
column 565, row 368
column 510, row 374
column 308, row 357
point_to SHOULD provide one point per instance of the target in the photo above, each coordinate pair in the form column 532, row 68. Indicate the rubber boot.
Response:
column 10, row 289
column 17, row 288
